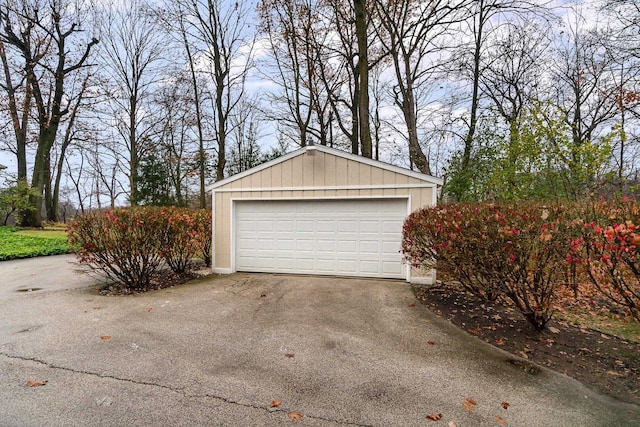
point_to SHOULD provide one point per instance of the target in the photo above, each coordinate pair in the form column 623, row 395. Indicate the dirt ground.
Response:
column 603, row 362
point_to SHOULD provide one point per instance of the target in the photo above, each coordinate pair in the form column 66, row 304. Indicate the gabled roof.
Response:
column 339, row 153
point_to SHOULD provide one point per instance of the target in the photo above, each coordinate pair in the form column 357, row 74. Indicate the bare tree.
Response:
column 19, row 108
column 227, row 54
column 174, row 17
column 512, row 70
column 362, row 37
column 289, row 27
column 344, row 55
column 43, row 40
column 52, row 195
column 584, row 92
column 176, row 134
column 245, row 151
column 487, row 18
column 131, row 54
column 413, row 32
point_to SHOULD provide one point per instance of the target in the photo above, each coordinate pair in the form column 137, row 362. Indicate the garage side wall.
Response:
column 318, row 176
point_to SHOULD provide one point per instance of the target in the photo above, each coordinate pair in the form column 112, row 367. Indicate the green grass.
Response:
column 18, row 243
column 627, row 329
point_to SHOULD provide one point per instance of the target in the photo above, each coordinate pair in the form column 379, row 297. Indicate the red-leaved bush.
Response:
column 606, row 243
column 515, row 252
column 203, row 224
column 129, row 246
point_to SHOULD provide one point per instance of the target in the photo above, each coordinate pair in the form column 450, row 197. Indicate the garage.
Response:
column 355, row 237
column 319, row 211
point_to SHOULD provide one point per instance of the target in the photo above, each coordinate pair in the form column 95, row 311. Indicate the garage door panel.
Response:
column 349, row 237
column 285, row 245
column 369, row 247
column 325, row 226
column 347, row 246
column 326, row 266
column 283, row 226
column 372, row 267
column 304, row 264
column 350, row 226
column 326, row 246
column 305, row 245
column 347, row 267
column 305, row 226
column 392, row 227
column 390, row 248
column 369, row 227
column 266, row 245
column 391, row 268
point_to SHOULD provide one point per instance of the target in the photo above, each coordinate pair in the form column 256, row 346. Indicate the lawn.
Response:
column 27, row 243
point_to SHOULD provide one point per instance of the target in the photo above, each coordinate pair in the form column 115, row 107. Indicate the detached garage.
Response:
column 317, row 210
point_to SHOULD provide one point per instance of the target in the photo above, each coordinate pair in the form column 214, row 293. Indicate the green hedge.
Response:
column 14, row 245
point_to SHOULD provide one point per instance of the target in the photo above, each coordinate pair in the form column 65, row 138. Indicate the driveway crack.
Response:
column 180, row 391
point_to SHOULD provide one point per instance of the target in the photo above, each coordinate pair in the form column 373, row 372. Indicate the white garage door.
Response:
column 338, row 237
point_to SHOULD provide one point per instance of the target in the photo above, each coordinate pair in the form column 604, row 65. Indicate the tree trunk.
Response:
column 363, row 70
column 222, row 132
column 416, row 154
column 475, row 96
column 133, row 154
column 202, row 159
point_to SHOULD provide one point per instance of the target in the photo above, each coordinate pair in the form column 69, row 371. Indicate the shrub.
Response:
column 121, row 244
column 606, row 243
column 203, row 225
column 507, row 251
column 179, row 238
column 129, row 246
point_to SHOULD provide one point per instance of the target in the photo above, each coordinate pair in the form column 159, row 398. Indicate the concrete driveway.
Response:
column 218, row 351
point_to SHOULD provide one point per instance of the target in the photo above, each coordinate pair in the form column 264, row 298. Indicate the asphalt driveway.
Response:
column 218, row 351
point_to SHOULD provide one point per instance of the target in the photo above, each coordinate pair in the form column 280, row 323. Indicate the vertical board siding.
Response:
column 317, row 171
column 276, row 175
column 330, row 170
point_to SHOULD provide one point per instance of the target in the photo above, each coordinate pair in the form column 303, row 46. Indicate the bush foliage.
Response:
column 508, row 251
column 521, row 253
column 606, row 244
column 130, row 246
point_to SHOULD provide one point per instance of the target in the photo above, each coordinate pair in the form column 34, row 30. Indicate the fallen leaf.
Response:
column 275, row 403
column 295, row 416
column 105, row 337
column 468, row 406
column 500, row 341
column 412, row 304
column 36, row 383
column 554, row 330
column 451, row 424
column 431, row 342
column 505, row 405
column 501, row 420
column 289, row 355
column 470, row 400
column 149, row 309
column 434, row 417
